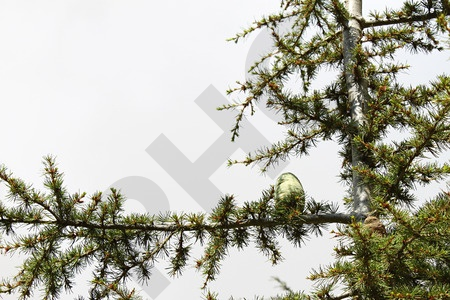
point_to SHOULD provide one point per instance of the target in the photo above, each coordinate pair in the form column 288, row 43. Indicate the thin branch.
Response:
column 401, row 20
column 304, row 219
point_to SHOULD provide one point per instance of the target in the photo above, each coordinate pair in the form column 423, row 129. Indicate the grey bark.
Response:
column 357, row 93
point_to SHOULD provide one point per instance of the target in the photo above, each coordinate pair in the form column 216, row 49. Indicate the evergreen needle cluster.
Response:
column 386, row 248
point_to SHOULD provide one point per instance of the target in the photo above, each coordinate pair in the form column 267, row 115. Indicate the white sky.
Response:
column 96, row 82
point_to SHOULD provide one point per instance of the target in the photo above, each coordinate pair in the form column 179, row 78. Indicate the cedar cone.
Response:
column 374, row 224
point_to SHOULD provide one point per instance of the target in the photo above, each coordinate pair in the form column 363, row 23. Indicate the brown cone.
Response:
column 374, row 224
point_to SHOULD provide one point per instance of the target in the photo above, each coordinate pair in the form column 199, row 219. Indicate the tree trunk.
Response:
column 357, row 93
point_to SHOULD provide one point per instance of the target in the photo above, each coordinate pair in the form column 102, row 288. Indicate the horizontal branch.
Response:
column 374, row 23
column 169, row 227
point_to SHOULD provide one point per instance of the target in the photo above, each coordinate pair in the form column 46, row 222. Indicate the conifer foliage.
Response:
column 387, row 248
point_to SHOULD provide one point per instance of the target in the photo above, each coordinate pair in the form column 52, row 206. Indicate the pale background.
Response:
column 96, row 82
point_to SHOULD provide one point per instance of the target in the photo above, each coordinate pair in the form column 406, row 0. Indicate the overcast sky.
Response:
column 117, row 91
